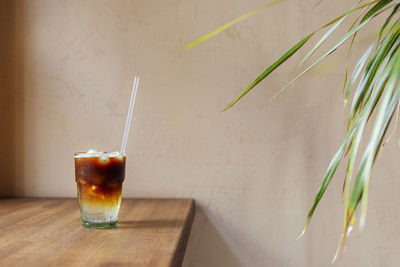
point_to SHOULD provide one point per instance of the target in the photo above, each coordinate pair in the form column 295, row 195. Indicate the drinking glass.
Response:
column 99, row 178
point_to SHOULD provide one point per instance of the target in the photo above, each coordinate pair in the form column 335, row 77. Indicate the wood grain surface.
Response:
column 48, row 232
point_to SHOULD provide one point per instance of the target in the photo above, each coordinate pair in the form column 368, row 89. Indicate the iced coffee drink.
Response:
column 99, row 177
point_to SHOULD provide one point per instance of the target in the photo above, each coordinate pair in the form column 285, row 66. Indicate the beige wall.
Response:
column 66, row 73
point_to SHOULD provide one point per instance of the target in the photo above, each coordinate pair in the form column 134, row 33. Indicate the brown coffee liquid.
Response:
column 99, row 179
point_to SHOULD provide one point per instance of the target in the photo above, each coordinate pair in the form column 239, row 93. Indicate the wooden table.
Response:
column 48, row 232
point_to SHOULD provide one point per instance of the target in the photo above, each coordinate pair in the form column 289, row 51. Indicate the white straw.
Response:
column 129, row 117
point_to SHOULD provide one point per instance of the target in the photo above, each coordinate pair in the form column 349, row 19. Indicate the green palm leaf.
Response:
column 364, row 89
column 290, row 52
column 378, row 7
column 322, row 40
column 357, row 70
column 389, row 100
column 386, row 78
column 394, row 12
column 229, row 24
column 340, row 42
column 271, row 68
column 351, row 46
column 377, row 75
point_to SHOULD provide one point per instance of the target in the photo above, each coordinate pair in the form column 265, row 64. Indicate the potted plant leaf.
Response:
column 374, row 85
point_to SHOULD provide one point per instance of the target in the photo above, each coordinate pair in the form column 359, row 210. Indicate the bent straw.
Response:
column 129, row 117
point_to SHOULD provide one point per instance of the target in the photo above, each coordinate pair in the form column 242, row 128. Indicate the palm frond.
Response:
column 389, row 100
column 380, row 5
column 339, row 43
column 357, row 71
column 365, row 87
column 394, row 12
column 229, row 24
column 271, row 68
column 290, row 52
column 375, row 80
column 364, row 115
column 322, row 40
column 351, row 45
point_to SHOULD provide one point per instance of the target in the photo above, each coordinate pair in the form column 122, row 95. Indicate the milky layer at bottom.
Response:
column 98, row 207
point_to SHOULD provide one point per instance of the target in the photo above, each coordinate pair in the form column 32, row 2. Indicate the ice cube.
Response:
column 104, row 158
column 82, row 172
column 113, row 184
column 114, row 154
column 92, row 151
column 97, row 179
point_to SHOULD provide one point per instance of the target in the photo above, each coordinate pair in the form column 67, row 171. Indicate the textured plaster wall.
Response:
column 66, row 70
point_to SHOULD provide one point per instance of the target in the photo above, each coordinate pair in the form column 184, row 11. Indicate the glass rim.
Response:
column 97, row 153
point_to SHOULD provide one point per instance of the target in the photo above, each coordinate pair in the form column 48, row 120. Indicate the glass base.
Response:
column 99, row 225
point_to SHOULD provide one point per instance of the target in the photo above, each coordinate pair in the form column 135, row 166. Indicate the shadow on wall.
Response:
column 11, row 99
column 206, row 246
column 204, row 241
